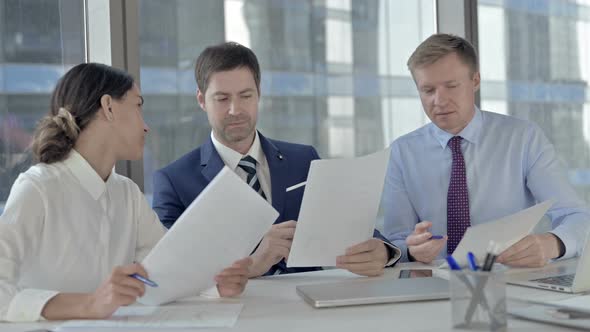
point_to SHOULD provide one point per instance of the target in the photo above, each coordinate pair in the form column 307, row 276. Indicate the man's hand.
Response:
column 275, row 245
column 532, row 251
column 367, row 258
column 232, row 280
column 420, row 246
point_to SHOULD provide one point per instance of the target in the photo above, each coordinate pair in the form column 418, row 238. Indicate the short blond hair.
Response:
column 439, row 45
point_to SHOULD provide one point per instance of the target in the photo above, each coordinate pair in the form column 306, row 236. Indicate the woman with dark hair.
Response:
column 72, row 228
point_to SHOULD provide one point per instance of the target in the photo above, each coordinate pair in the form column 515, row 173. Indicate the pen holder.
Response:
column 478, row 300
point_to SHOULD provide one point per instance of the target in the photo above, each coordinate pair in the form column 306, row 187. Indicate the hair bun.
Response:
column 65, row 120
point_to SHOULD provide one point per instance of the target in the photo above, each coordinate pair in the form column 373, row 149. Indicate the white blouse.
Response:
column 64, row 229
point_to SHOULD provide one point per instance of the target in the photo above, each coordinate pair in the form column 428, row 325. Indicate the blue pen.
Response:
column 436, row 237
column 472, row 261
column 453, row 263
column 144, row 280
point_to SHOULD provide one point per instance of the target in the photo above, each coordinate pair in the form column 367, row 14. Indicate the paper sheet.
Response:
column 505, row 232
column 223, row 224
column 581, row 303
column 542, row 313
column 193, row 316
column 339, row 208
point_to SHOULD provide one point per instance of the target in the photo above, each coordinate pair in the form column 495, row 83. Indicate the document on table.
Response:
column 339, row 208
column 190, row 316
column 504, row 232
column 572, row 312
column 208, row 237
column 581, row 303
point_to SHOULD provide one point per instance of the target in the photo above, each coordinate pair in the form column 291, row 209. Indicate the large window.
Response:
column 535, row 64
column 333, row 71
column 39, row 41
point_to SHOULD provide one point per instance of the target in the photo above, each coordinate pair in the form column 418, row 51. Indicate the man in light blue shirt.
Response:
column 470, row 166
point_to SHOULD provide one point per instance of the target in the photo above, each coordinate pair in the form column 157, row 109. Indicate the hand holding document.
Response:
column 207, row 238
column 339, row 208
column 504, row 232
column 190, row 316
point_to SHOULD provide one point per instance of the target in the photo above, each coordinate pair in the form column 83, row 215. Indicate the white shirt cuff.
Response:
column 397, row 254
column 28, row 304
column 568, row 241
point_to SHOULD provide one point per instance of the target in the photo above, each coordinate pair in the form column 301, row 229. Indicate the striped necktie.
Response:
column 248, row 164
column 457, row 197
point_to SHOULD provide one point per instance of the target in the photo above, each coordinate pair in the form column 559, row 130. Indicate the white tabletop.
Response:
column 272, row 304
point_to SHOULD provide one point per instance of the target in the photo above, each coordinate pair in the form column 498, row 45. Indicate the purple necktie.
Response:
column 457, row 197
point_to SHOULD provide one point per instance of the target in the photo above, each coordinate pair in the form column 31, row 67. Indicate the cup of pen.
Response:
column 478, row 300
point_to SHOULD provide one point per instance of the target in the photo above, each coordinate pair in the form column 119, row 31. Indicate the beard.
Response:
column 237, row 129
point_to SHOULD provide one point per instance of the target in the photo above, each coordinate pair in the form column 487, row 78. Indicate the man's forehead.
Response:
column 243, row 73
column 231, row 81
column 440, row 75
column 220, row 90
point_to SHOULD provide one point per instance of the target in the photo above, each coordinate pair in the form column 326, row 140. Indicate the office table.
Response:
column 272, row 304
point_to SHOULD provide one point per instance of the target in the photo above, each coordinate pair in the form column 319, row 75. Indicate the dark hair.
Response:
column 440, row 45
column 74, row 103
column 223, row 57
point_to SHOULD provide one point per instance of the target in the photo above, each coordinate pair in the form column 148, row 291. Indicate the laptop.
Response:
column 567, row 279
column 373, row 291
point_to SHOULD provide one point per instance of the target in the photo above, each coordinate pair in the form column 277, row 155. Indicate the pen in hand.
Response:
column 144, row 280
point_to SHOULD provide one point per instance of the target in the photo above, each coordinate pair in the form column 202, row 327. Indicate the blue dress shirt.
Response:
column 510, row 165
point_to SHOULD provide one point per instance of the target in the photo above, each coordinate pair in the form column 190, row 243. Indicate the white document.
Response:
column 223, row 224
column 504, row 232
column 339, row 208
column 193, row 316
column 581, row 303
column 548, row 314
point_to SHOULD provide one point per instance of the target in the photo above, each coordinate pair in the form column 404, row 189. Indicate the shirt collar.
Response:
column 470, row 133
column 231, row 158
column 86, row 175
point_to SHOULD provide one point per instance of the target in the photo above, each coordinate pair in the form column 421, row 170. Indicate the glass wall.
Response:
column 535, row 64
column 333, row 71
column 39, row 41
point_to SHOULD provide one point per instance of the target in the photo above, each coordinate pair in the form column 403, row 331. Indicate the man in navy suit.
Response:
column 228, row 80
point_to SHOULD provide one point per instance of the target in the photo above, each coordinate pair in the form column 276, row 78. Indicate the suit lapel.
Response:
column 278, row 167
column 211, row 162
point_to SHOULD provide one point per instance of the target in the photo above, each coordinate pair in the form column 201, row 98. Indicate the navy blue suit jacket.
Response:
column 178, row 184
